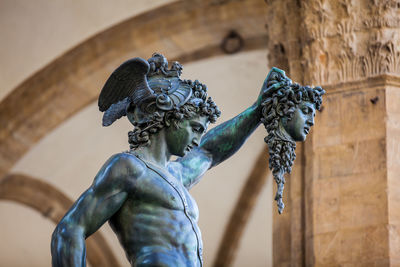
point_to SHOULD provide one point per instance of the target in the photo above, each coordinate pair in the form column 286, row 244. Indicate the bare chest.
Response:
column 162, row 189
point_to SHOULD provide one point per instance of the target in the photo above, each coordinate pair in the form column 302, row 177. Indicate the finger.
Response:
column 273, row 88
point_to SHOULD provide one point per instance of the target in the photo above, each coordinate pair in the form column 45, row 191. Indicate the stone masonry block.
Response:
column 363, row 244
column 351, row 158
column 326, row 205
column 363, row 200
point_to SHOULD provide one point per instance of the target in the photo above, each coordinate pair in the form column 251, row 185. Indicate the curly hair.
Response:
column 282, row 102
column 198, row 105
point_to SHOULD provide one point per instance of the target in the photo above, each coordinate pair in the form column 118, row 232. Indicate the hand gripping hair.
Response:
column 152, row 96
column 282, row 97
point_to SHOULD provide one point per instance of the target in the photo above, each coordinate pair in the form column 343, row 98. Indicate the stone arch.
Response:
column 53, row 204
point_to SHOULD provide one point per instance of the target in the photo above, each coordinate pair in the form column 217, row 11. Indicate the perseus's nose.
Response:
column 195, row 142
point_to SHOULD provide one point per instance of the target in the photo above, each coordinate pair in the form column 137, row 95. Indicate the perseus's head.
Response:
column 153, row 97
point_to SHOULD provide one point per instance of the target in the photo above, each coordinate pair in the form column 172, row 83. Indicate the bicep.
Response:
column 93, row 208
column 193, row 166
column 104, row 197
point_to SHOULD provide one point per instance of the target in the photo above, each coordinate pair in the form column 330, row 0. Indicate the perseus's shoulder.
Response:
column 122, row 166
column 129, row 164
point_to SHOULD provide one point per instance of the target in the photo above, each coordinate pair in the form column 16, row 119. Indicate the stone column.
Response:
column 349, row 190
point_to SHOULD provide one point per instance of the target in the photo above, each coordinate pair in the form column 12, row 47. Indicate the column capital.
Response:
column 344, row 40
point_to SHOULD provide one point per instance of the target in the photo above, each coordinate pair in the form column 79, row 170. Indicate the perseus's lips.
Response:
column 306, row 130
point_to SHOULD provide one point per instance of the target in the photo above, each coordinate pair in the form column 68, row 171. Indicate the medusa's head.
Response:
column 289, row 108
column 288, row 114
column 154, row 97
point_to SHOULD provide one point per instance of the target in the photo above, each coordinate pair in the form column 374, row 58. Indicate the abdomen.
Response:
column 148, row 231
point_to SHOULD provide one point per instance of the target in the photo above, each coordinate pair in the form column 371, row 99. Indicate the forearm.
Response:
column 68, row 246
column 224, row 140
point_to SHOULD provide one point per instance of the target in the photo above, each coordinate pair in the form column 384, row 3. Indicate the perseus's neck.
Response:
column 156, row 152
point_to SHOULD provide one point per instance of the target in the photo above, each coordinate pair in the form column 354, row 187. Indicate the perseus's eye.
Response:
column 307, row 110
column 196, row 129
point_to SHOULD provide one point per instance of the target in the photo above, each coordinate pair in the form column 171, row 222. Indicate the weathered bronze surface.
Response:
column 288, row 115
column 143, row 194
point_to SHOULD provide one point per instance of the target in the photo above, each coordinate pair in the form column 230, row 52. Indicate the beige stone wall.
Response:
column 349, row 215
column 349, row 183
column 393, row 168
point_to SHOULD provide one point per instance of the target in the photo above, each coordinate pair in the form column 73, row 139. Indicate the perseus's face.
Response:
column 303, row 118
column 187, row 136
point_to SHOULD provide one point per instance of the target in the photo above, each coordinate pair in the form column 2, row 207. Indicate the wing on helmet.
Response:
column 127, row 84
column 115, row 112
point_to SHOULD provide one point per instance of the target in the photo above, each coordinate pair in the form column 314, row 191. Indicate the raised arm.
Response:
column 221, row 142
column 224, row 140
column 94, row 207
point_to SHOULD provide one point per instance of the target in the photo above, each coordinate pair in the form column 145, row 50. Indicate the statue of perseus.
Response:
column 142, row 193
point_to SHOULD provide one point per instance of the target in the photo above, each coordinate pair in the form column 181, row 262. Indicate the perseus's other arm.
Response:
column 94, row 207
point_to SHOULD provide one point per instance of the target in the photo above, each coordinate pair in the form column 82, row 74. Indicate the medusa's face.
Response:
column 187, row 136
column 303, row 118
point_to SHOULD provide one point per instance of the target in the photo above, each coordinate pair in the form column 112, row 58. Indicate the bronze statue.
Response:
column 141, row 193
